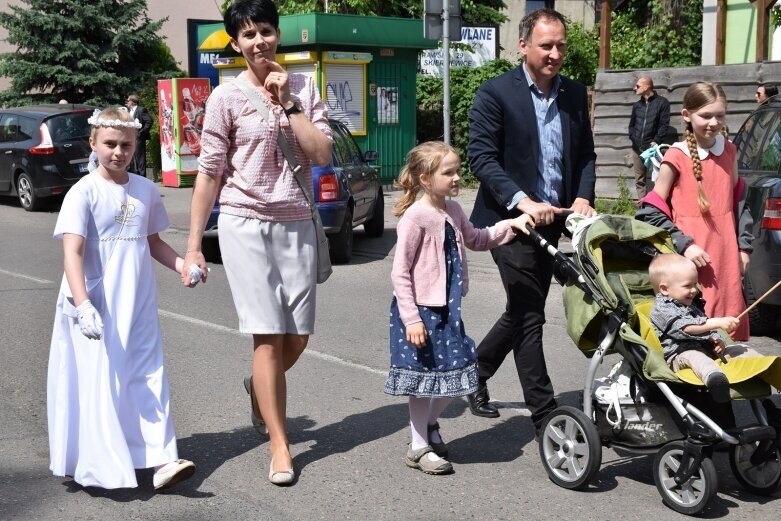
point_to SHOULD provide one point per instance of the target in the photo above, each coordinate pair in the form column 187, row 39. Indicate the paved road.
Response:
column 348, row 438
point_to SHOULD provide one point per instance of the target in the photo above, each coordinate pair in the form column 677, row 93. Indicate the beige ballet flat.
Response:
column 280, row 477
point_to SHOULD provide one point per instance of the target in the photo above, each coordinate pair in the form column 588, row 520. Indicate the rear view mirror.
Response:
column 371, row 155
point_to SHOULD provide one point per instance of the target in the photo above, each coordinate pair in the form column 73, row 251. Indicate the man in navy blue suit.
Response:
column 531, row 147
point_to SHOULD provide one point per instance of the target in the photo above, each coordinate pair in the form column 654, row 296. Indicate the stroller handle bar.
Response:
column 564, row 269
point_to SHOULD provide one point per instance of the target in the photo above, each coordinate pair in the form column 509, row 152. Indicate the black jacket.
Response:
column 650, row 121
column 504, row 145
column 143, row 117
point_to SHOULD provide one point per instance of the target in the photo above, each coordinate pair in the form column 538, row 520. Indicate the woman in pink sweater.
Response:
column 432, row 359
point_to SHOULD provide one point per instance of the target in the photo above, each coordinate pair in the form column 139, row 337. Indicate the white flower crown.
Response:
column 96, row 121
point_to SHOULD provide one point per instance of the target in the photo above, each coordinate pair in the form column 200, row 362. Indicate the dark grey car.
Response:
column 759, row 163
column 44, row 150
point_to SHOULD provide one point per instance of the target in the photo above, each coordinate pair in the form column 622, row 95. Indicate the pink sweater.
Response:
column 241, row 147
column 419, row 272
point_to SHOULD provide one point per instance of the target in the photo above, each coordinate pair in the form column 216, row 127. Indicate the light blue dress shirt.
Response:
column 550, row 165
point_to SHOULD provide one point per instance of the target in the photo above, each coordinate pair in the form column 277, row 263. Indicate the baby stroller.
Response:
column 644, row 407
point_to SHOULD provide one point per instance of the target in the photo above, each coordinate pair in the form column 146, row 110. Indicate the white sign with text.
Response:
column 482, row 40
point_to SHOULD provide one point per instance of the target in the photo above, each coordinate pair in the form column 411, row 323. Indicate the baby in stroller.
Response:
column 689, row 337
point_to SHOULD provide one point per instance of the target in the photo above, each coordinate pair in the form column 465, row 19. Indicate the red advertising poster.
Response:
column 192, row 94
column 182, row 103
column 165, row 106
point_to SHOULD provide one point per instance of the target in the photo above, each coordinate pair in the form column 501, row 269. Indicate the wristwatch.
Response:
column 294, row 109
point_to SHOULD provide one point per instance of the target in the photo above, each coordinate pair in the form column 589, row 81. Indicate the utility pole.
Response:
column 446, row 72
column 442, row 20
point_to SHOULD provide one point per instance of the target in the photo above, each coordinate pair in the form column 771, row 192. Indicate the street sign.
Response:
column 432, row 19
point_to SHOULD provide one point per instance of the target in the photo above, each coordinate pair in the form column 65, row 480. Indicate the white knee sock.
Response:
column 435, row 408
column 418, row 421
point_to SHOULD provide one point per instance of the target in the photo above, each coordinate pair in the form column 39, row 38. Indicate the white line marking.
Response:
column 22, row 276
column 308, row 351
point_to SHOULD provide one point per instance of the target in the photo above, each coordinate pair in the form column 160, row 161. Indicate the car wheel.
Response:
column 340, row 245
column 762, row 319
column 375, row 226
column 26, row 192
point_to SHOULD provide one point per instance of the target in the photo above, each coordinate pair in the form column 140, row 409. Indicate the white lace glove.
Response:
column 195, row 274
column 89, row 320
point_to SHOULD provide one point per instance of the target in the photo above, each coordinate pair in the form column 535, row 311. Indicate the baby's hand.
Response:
column 718, row 345
column 416, row 334
column 728, row 324
column 520, row 222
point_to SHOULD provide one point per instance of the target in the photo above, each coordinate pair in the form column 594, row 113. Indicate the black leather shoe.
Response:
column 479, row 403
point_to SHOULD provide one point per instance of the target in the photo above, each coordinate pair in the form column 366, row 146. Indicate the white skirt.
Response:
column 271, row 269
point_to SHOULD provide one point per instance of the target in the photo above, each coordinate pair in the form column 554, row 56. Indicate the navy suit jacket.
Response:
column 504, row 145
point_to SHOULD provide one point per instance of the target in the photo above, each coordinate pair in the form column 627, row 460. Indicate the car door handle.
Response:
column 9, row 152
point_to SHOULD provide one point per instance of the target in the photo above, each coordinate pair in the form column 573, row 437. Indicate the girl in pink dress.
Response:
column 699, row 199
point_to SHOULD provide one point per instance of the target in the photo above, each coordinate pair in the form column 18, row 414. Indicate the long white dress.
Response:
column 108, row 399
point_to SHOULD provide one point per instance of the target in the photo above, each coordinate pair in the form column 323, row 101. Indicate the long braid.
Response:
column 691, row 141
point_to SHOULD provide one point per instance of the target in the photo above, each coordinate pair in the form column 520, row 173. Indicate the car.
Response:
column 44, row 150
column 348, row 193
column 759, row 162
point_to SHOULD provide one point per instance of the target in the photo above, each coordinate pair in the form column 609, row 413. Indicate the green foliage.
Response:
column 464, row 82
column 656, row 33
column 582, row 56
column 622, row 205
column 86, row 51
column 472, row 11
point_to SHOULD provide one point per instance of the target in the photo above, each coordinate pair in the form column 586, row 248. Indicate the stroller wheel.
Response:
column 692, row 496
column 570, row 447
column 761, row 479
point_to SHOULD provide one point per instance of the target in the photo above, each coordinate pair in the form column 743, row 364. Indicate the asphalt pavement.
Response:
column 348, row 438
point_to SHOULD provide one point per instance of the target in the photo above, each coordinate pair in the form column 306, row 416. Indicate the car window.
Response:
column 771, row 148
column 760, row 142
column 27, row 128
column 341, row 147
column 356, row 156
column 67, row 127
column 9, row 128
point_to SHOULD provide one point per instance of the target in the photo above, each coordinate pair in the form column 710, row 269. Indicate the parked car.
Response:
column 348, row 193
column 759, row 159
column 44, row 150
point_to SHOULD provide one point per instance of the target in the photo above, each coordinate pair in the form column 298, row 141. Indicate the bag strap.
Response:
column 254, row 97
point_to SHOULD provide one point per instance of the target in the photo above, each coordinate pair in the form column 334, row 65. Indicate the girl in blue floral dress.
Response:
column 432, row 358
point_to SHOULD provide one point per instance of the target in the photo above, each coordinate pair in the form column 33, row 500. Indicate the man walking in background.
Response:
column 140, row 113
column 648, row 126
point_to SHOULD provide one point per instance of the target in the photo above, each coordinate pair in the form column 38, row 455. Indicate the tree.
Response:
column 472, row 11
column 656, row 33
column 87, row 51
